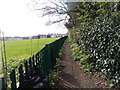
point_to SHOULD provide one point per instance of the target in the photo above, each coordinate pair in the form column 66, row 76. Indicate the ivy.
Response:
column 95, row 38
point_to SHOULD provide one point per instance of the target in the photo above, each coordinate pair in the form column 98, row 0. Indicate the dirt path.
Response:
column 72, row 76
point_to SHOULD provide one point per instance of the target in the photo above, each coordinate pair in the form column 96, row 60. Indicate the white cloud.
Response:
column 16, row 19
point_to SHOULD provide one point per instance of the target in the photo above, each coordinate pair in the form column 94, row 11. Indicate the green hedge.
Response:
column 94, row 31
column 100, row 40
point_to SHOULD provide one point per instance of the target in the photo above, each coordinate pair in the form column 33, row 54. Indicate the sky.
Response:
column 16, row 19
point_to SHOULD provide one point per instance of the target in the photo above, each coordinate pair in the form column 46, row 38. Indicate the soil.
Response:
column 72, row 76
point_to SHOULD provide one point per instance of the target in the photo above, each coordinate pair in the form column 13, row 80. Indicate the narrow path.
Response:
column 72, row 76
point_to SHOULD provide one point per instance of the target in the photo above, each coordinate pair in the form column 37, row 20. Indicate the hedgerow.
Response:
column 100, row 40
column 95, row 37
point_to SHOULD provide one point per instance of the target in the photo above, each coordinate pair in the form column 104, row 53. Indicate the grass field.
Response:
column 0, row 59
column 0, row 67
column 17, row 51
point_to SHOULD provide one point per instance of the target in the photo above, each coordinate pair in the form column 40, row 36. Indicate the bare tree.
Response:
column 55, row 9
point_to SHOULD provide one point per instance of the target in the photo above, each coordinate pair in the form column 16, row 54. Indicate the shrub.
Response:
column 79, row 55
column 100, row 40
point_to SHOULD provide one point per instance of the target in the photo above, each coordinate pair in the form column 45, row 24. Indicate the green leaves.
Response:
column 101, row 41
column 96, row 38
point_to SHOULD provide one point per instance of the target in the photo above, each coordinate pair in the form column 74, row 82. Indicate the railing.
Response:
column 40, row 63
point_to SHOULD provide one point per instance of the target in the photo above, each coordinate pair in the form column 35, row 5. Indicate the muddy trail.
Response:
column 72, row 76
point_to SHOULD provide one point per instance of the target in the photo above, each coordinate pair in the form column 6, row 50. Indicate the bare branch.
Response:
column 53, row 9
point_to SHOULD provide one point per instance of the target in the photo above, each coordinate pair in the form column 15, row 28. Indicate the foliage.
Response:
column 0, row 67
column 61, row 54
column 111, row 85
column 82, row 12
column 53, row 78
column 54, row 74
column 94, row 30
column 100, row 40
column 75, row 51
column 79, row 55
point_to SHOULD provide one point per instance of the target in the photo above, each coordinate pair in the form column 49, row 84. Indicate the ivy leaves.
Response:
column 97, row 34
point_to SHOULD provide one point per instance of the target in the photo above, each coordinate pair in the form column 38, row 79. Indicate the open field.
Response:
column 0, row 65
column 0, row 59
column 24, row 48
column 17, row 51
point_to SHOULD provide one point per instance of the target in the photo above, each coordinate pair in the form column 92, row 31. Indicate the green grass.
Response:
column 0, row 64
column 18, row 51
column 0, row 59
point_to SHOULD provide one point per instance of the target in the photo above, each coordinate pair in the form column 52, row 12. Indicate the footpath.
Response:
column 72, row 76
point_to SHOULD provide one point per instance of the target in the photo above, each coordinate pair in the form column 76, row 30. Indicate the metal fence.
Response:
column 42, row 62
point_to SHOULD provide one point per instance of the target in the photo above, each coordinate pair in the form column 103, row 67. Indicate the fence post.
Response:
column 48, row 59
column 13, row 80
column 33, row 61
column 36, row 58
column 30, row 66
column 53, row 55
column 49, row 55
column 39, row 60
column 26, row 69
column 2, row 84
column 21, row 76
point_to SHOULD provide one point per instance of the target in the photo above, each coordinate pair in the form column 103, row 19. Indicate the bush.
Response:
column 95, row 28
column 75, row 51
column 79, row 55
column 100, row 40
column 54, row 73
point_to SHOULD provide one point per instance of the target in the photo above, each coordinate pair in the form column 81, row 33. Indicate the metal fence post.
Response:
column 26, row 69
column 2, row 84
column 21, row 76
column 13, row 79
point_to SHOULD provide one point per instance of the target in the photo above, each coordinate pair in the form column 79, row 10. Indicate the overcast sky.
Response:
column 16, row 19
